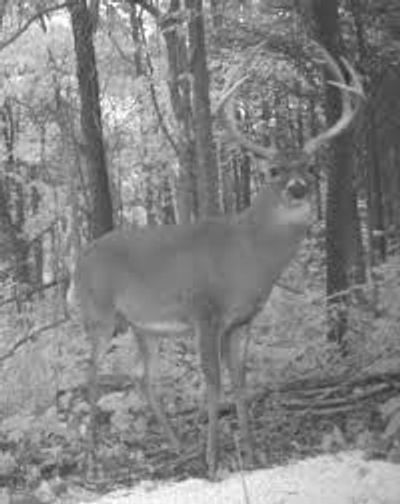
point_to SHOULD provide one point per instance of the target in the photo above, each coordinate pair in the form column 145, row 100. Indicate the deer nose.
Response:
column 297, row 188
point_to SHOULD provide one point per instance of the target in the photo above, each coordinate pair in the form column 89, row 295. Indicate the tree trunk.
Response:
column 91, row 122
column 167, row 202
column 359, row 268
column 181, row 101
column 227, row 181
column 93, row 148
column 340, row 198
column 151, row 211
column 12, row 205
column 377, row 244
column 217, row 8
column 205, row 152
column 37, row 245
column 135, row 30
column 317, row 179
column 180, row 93
column 375, row 189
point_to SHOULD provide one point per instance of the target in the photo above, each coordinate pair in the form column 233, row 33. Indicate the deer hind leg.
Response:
column 148, row 347
column 210, row 359
column 235, row 351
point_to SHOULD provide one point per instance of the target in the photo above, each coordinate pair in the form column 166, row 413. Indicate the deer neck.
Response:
column 271, row 217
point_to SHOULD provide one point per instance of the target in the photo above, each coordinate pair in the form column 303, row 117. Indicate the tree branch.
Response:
column 153, row 94
column 35, row 17
column 151, row 9
column 32, row 336
column 26, row 295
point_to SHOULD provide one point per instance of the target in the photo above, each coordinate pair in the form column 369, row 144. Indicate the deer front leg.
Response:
column 235, row 351
column 148, row 347
column 210, row 358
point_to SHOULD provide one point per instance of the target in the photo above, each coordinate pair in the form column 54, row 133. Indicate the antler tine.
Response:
column 230, row 88
column 225, row 105
column 348, row 111
column 228, row 112
column 227, row 93
column 356, row 87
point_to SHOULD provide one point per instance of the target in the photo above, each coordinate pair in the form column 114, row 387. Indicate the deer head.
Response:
column 213, row 276
column 290, row 175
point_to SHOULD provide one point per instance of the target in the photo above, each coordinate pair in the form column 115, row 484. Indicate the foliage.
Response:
column 391, row 414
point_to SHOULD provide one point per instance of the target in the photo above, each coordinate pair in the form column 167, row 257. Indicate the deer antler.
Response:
column 225, row 108
column 225, row 104
column 348, row 110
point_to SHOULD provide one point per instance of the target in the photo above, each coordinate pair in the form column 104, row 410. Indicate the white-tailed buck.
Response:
column 214, row 276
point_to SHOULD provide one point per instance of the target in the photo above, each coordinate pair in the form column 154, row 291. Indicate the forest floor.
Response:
column 345, row 478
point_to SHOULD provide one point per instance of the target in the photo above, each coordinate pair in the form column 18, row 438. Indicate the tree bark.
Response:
column 93, row 147
column 12, row 204
column 375, row 195
column 205, row 153
column 180, row 93
column 341, row 199
column 135, row 30
column 217, row 7
column 91, row 122
column 181, row 100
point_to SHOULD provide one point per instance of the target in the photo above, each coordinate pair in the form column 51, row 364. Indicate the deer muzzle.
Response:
column 297, row 189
